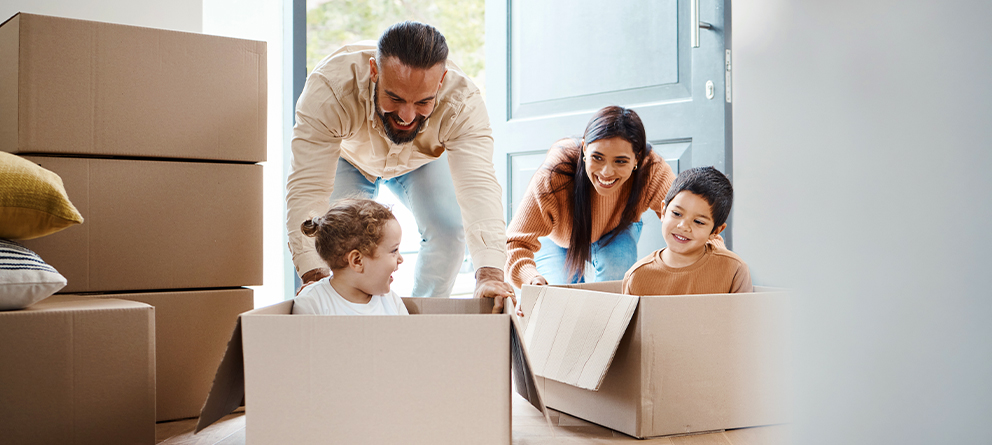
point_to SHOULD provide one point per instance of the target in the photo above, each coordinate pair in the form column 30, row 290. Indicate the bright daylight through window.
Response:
column 334, row 23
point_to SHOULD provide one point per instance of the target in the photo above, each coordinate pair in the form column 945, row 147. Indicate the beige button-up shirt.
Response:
column 335, row 117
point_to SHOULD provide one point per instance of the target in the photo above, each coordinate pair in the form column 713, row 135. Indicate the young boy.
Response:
column 695, row 212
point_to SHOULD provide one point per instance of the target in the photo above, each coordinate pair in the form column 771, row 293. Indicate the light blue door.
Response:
column 550, row 64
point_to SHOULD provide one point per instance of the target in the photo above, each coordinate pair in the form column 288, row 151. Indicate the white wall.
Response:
column 178, row 15
column 863, row 162
column 247, row 19
column 263, row 20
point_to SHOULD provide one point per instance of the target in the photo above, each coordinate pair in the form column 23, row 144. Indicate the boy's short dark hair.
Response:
column 711, row 185
column 414, row 44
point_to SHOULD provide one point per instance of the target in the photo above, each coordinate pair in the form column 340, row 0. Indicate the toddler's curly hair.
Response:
column 350, row 224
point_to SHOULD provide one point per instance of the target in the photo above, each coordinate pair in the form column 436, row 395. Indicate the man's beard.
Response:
column 397, row 136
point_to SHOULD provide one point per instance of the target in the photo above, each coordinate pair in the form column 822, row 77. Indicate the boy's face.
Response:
column 688, row 224
column 378, row 271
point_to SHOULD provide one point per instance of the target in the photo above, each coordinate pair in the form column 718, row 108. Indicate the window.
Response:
column 334, row 23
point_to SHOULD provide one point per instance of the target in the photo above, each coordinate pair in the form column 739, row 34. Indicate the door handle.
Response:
column 696, row 24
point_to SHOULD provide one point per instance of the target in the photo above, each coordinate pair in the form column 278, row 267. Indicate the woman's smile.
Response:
column 606, row 183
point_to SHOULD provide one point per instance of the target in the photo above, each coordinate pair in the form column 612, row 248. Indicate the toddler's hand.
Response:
column 538, row 281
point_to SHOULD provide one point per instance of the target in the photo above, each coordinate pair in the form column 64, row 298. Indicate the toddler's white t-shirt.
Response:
column 320, row 298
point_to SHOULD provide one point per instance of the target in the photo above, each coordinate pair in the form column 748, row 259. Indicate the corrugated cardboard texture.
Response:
column 78, row 371
column 576, row 333
column 8, row 82
column 449, row 305
column 157, row 225
column 691, row 363
column 91, row 88
column 428, row 378
column 191, row 333
column 424, row 379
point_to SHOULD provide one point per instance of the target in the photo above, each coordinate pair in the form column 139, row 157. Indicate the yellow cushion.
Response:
column 33, row 201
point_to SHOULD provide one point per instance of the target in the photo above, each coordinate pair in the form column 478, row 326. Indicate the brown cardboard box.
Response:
column 88, row 88
column 191, row 333
column 440, row 376
column 79, row 371
column 157, row 225
column 686, row 363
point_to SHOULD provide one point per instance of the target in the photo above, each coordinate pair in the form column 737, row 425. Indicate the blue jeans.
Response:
column 429, row 193
column 608, row 262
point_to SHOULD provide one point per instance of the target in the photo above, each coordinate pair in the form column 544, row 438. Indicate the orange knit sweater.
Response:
column 542, row 213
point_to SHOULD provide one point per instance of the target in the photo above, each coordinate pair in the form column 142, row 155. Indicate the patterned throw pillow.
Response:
column 33, row 201
column 25, row 278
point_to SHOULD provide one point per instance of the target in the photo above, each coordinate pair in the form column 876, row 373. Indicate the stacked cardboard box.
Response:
column 156, row 135
column 79, row 371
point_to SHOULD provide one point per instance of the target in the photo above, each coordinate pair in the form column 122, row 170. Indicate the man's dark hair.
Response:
column 414, row 44
column 711, row 185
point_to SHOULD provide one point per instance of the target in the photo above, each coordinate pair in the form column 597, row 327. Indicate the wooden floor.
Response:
column 529, row 428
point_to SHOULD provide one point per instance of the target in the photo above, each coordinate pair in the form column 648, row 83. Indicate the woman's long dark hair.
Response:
column 607, row 123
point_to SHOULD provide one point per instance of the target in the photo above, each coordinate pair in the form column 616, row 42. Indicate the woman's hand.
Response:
column 538, row 281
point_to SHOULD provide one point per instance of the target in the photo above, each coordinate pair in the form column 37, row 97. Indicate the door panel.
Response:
column 540, row 83
column 562, row 60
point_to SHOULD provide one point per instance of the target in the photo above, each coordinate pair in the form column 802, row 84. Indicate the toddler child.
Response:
column 360, row 240
column 695, row 212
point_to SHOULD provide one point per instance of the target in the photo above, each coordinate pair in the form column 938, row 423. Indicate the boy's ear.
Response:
column 356, row 261
column 718, row 230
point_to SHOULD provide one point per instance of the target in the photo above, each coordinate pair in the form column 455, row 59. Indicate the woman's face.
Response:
column 609, row 163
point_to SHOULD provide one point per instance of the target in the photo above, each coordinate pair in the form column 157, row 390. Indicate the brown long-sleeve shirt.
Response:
column 719, row 271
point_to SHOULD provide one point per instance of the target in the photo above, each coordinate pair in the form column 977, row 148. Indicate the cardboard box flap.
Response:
column 228, row 390
column 523, row 373
column 573, row 334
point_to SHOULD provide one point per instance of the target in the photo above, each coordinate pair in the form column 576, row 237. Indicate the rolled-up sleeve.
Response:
column 532, row 220
column 469, row 143
column 321, row 123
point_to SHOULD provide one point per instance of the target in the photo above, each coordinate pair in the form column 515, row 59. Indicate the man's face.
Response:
column 404, row 97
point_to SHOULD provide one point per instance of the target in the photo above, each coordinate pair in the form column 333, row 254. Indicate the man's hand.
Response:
column 313, row 276
column 538, row 281
column 489, row 284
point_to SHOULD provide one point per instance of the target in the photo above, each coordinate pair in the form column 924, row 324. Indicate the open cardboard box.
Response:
column 438, row 376
column 685, row 364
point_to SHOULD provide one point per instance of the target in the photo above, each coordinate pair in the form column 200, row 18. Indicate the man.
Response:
column 400, row 115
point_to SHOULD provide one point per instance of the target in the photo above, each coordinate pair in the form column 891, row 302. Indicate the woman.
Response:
column 585, row 204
